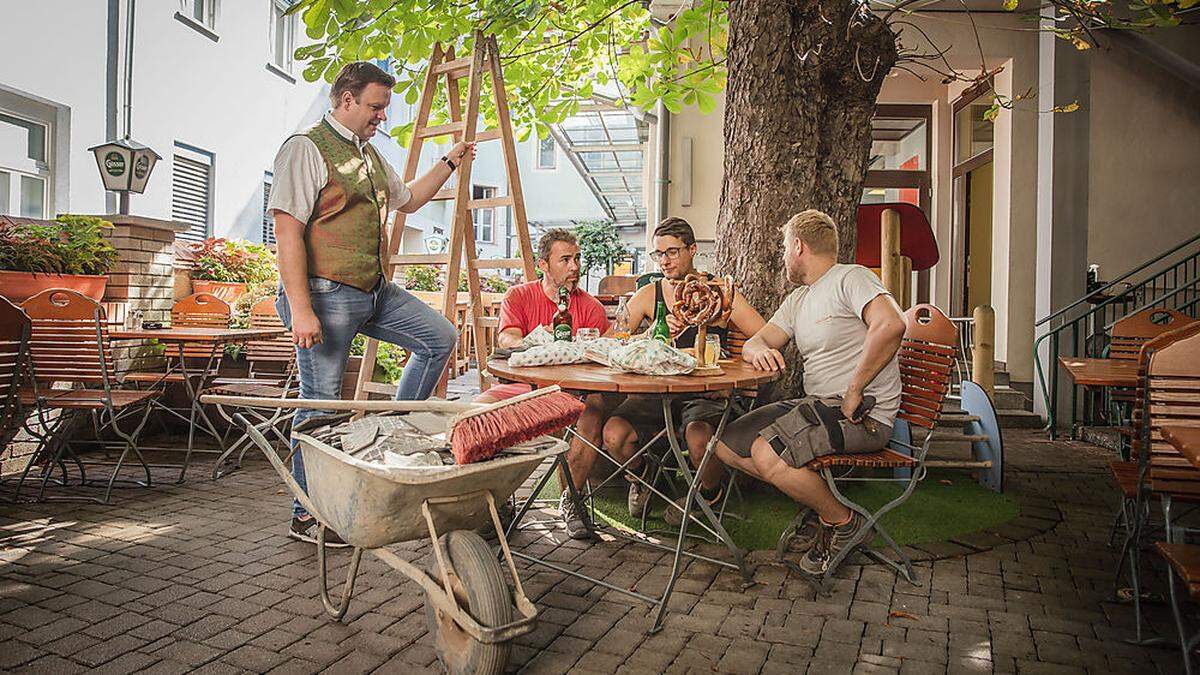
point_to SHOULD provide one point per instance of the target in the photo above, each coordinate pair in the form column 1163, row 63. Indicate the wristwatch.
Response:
column 449, row 163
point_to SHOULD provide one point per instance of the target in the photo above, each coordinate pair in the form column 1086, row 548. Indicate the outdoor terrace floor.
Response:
column 201, row 576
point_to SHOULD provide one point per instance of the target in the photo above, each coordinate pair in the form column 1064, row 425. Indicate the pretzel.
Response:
column 700, row 301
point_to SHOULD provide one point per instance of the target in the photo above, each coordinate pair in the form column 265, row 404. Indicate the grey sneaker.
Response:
column 574, row 516
column 830, row 542
column 638, row 499
column 673, row 515
column 306, row 530
column 806, row 532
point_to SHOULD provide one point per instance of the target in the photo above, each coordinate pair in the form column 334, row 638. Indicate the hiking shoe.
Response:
column 306, row 530
column 806, row 533
column 673, row 515
column 574, row 516
column 830, row 541
column 638, row 499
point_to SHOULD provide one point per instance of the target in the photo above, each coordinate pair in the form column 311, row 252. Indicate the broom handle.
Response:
column 342, row 405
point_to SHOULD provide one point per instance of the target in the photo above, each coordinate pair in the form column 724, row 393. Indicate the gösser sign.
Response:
column 125, row 165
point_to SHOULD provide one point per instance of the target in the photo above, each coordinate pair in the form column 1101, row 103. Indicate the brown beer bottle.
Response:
column 562, row 326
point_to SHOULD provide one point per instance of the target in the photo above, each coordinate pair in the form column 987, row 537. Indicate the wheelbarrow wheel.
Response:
column 479, row 588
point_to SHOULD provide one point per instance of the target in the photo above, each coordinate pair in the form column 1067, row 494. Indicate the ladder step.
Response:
column 489, row 135
column 379, row 388
column 490, row 203
column 958, row 464
column 441, row 130
column 421, row 259
column 455, row 66
column 499, row 263
column 443, row 195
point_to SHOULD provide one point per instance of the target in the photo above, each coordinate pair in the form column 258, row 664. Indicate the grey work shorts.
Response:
column 797, row 437
column 644, row 413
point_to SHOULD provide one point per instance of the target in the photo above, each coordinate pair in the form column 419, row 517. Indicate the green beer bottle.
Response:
column 562, row 323
column 661, row 331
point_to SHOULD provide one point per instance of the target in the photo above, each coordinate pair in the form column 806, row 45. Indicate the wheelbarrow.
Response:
column 469, row 606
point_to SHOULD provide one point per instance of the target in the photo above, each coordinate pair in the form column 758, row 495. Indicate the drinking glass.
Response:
column 587, row 334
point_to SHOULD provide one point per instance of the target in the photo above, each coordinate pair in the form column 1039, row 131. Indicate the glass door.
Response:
column 24, row 170
column 971, row 231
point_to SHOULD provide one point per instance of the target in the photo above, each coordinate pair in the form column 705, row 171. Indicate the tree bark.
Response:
column 803, row 79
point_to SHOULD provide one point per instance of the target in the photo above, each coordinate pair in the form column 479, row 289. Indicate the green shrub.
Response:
column 73, row 245
column 234, row 260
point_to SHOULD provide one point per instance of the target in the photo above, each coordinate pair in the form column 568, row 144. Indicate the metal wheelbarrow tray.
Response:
column 371, row 506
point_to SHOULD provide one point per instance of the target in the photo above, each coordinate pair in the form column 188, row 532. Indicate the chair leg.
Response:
column 873, row 524
column 1184, row 644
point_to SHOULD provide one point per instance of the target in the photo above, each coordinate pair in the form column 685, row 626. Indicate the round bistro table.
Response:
column 590, row 378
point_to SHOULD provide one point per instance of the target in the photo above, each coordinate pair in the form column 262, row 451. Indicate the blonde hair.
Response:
column 815, row 229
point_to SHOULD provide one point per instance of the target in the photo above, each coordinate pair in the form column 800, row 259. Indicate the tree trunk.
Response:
column 803, row 79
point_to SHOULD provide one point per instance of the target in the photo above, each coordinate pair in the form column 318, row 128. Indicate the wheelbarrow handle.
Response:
column 340, row 405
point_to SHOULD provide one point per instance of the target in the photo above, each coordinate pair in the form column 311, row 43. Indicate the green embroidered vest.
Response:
column 343, row 236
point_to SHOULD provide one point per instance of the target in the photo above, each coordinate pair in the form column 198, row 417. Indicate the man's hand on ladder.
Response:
column 459, row 151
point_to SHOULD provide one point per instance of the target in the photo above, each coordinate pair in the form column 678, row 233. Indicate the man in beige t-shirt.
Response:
column 847, row 329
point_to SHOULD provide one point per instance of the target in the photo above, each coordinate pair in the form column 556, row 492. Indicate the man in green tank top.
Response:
column 331, row 197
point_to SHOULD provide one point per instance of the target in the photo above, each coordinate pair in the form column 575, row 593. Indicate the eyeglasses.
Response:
column 669, row 254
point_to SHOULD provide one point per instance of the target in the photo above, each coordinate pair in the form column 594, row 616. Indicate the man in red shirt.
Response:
column 534, row 304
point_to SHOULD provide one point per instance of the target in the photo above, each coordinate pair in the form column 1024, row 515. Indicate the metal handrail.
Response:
column 1135, row 295
column 1114, row 282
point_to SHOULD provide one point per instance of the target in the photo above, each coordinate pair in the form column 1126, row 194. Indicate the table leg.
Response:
column 197, row 407
column 692, row 497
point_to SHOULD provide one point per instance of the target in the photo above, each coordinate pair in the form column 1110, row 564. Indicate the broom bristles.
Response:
column 481, row 436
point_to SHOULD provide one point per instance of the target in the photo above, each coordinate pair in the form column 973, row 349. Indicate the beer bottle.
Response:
column 661, row 331
column 562, row 324
column 621, row 327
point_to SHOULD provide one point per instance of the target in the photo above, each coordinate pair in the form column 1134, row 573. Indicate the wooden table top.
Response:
column 1101, row 372
column 1184, row 439
column 197, row 334
column 595, row 377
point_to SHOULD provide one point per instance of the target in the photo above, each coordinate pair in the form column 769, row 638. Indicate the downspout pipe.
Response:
column 662, row 165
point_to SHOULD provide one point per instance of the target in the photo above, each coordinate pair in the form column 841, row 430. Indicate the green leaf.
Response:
column 1009, row 5
column 706, row 103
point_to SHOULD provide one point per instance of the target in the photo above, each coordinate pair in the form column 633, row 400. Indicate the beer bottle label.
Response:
column 562, row 332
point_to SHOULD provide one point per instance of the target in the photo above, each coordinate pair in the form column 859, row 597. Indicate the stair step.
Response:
column 1018, row 419
column 959, row 438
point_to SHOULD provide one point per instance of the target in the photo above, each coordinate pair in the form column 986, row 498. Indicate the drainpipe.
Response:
column 662, row 164
column 123, row 207
column 111, row 92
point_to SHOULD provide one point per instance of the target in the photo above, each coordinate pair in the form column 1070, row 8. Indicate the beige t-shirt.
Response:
column 826, row 322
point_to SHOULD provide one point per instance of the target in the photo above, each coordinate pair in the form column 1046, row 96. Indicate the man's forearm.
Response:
column 753, row 347
column 293, row 262
column 424, row 188
column 509, row 338
column 879, row 348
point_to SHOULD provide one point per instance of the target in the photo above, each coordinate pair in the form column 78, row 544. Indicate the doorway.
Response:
column 971, row 234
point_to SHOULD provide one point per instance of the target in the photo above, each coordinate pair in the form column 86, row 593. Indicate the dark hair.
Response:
column 547, row 240
column 676, row 227
column 355, row 76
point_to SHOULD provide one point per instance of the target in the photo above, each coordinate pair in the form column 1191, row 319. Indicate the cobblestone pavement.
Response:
column 200, row 576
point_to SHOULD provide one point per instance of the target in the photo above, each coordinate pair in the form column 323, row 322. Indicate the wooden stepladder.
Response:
column 484, row 61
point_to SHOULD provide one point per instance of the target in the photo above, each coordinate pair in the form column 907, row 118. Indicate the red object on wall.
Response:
column 911, row 195
column 916, row 236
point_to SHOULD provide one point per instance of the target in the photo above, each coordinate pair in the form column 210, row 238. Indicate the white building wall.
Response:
column 218, row 96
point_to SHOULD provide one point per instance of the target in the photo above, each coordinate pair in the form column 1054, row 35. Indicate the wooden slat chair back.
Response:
column 14, row 351
column 200, row 310
column 1131, row 332
column 617, row 284
column 1173, row 383
column 68, row 339
column 274, row 355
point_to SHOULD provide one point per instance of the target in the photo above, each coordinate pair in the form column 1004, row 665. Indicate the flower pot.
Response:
column 20, row 286
column 229, row 291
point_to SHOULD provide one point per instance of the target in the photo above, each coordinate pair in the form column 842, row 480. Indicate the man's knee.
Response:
column 697, row 435
column 445, row 337
column 617, row 433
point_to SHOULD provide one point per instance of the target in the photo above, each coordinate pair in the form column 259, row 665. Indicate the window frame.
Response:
column 268, row 221
column 34, row 169
column 206, row 26
column 191, row 152
column 537, row 154
column 485, row 192
column 277, row 10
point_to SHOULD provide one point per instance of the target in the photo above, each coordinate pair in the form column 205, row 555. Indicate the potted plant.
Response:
column 228, row 267
column 68, row 252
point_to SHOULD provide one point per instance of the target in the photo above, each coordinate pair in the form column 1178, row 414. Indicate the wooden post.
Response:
column 983, row 349
column 906, row 272
column 890, row 268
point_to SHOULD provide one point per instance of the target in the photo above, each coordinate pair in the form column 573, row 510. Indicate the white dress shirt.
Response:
column 300, row 174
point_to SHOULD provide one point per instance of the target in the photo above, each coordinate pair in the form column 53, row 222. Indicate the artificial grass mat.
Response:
column 945, row 505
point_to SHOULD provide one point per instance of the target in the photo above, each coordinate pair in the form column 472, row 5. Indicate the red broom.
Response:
column 480, row 434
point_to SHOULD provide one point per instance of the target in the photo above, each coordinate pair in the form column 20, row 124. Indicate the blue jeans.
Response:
column 388, row 313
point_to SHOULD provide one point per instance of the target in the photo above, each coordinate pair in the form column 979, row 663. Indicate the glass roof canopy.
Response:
column 607, row 146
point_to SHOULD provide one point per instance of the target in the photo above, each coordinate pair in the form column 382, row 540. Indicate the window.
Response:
column 191, row 190
column 268, row 222
column 484, row 219
column 283, row 35
column 547, row 153
column 24, row 169
column 201, row 15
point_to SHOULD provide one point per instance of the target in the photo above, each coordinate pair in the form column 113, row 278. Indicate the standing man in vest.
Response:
column 330, row 199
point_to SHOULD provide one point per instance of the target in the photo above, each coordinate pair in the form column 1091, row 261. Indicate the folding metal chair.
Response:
column 926, row 359
column 69, row 344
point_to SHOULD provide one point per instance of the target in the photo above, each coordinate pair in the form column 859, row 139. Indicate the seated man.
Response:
column 534, row 304
column 635, row 421
column 847, row 329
